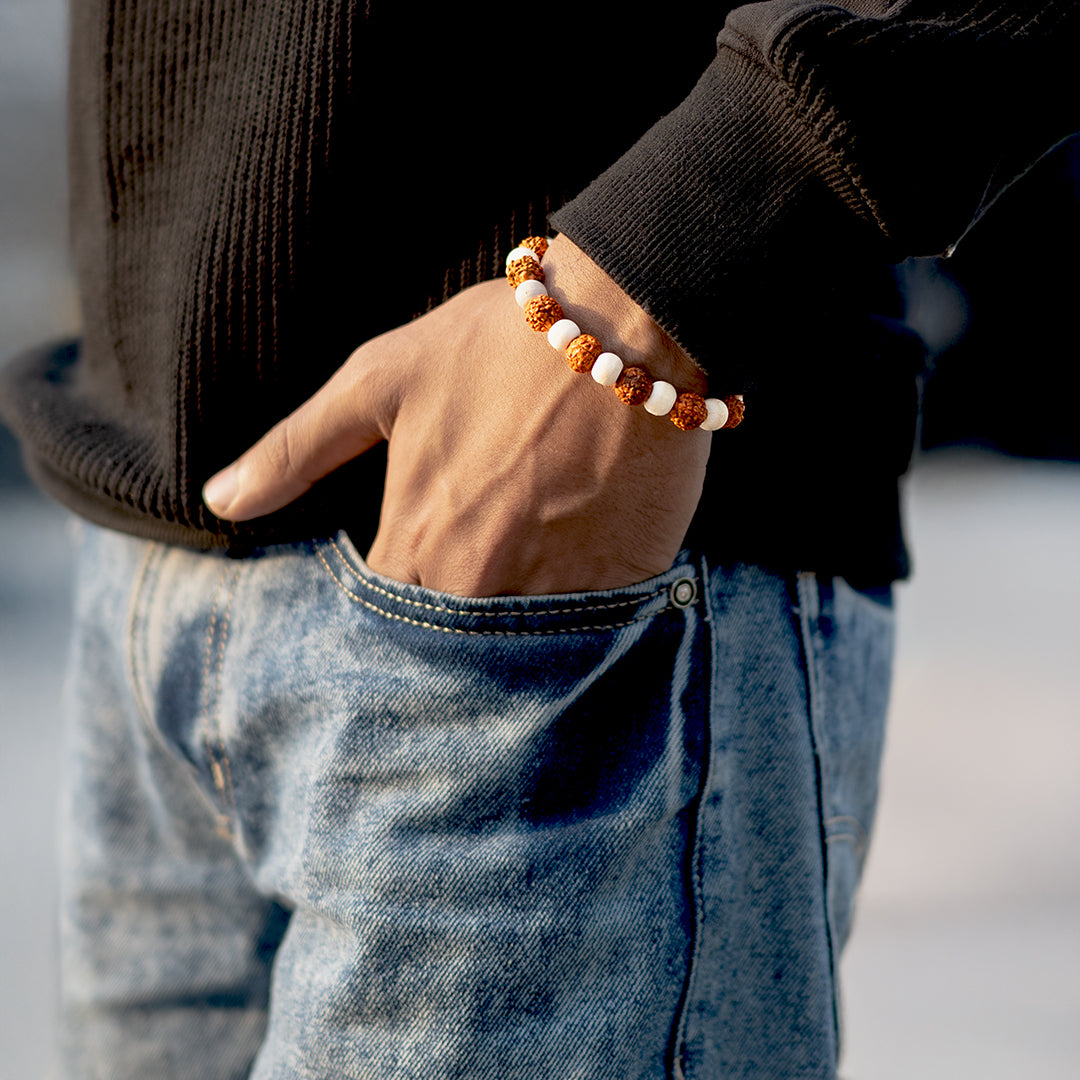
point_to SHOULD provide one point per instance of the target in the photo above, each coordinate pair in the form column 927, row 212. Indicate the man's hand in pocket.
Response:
column 507, row 472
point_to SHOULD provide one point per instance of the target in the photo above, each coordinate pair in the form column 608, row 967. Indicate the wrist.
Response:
column 592, row 299
column 620, row 319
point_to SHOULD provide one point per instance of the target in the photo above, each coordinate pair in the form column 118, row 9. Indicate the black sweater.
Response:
column 256, row 188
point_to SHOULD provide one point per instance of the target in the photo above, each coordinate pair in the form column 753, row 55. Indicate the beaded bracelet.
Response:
column 633, row 385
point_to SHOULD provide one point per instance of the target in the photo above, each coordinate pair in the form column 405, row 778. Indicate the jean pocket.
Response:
column 677, row 588
column 497, row 806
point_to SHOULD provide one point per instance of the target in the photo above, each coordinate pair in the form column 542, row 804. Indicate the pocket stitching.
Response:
column 473, row 633
column 522, row 613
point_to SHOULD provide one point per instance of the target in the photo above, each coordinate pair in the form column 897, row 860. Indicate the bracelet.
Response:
column 633, row 385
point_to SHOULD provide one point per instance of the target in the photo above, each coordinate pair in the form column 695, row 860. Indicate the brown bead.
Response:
column 542, row 313
column 524, row 269
column 735, row 412
column 689, row 411
column 539, row 244
column 582, row 352
column 634, row 386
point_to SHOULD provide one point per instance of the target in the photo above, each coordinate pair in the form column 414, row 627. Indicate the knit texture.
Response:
column 255, row 188
column 818, row 134
column 251, row 186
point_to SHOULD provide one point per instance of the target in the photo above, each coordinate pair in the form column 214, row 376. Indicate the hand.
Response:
column 507, row 472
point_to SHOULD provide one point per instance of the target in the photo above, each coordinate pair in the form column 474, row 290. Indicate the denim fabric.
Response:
column 320, row 824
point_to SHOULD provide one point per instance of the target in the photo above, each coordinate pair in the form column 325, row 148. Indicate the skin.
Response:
column 507, row 473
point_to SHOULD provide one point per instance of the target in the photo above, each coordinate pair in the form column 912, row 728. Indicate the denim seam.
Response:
column 133, row 645
column 492, row 633
column 148, row 581
column 696, row 871
column 226, row 764
column 212, row 673
column 808, row 613
column 488, row 614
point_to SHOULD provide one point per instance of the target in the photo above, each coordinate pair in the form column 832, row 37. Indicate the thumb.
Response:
column 336, row 424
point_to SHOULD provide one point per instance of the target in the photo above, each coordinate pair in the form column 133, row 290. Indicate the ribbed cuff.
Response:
column 704, row 214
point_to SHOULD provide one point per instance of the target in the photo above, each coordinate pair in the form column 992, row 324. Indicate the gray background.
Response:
column 966, row 951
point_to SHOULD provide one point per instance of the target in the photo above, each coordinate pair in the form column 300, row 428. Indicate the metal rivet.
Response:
column 683, row 592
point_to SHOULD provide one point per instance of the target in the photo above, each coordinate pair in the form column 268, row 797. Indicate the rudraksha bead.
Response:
column 736, row 410
column 524, row 269
column 542, row 313
column 582, row 352
column 634, row 386
column 689, row 411
column 539, row 244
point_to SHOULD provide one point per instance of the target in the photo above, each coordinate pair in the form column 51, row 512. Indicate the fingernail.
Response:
column 220, row 491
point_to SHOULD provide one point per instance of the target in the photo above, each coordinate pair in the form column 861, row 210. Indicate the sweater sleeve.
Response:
column 820, row 135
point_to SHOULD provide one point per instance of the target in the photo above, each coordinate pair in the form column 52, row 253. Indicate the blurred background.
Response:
column 965, row 961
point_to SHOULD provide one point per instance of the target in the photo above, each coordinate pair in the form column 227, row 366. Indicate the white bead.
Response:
column 527, row 290
column 661, row 399
column 717, row 415
column 562, row 333
column 521, row 253
column 607, row 369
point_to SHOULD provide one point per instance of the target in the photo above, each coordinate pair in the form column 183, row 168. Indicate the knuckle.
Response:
column 377, row 374
column 286, row 457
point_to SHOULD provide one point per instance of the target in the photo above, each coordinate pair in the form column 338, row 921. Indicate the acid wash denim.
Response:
column 323, row 825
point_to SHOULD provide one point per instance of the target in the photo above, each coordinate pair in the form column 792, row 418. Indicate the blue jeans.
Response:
column 320, row 824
